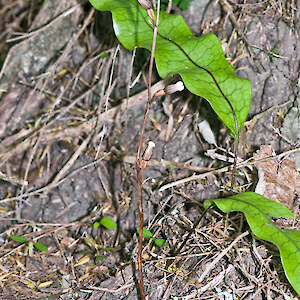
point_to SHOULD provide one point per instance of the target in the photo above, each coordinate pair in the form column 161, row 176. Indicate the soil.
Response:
column 72, row 102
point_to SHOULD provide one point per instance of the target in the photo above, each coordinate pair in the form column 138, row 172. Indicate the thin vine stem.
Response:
column 233, row 171
column 139, row 167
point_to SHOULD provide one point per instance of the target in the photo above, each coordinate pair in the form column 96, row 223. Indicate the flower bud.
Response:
column 149, row 150
column 151, row 14
column 173, row 88
column 145, row 3
column 207, row 133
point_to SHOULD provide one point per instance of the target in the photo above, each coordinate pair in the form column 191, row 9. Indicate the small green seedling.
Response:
column 106, row 222
column 23, row 240
column 93, row 244
column 160, row 242
column 35, row 287
column 148, row 235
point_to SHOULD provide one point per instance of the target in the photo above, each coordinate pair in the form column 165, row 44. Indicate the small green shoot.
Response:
column 107, row 223
column 96, row 224
column 99, row 257
column 40, row 246
column 159, row 242
column 20, row 239
column 148, row 235
column 104, row 55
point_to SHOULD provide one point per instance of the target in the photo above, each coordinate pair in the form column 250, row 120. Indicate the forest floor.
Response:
column 72, row 102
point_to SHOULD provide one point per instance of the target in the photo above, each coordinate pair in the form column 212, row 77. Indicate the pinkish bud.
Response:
column 173, row 88
column 151, row 22
column 145, row 3
column 159, row 93
column 151, row 14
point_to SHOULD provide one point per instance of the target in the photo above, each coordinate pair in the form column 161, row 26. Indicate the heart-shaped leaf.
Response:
column 257, row 210
column 200, row 61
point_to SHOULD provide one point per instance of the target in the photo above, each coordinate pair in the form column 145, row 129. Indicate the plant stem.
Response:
column 235, row 150
column 139, row 167
column 140, row 175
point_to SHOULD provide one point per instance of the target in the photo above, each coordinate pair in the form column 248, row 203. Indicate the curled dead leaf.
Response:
column 278, row 180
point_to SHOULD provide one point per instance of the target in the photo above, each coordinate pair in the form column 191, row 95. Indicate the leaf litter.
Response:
column 278, row 180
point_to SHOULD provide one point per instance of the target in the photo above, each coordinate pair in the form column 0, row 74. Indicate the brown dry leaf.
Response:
column 278, row 180
column 67, row 241
column 101, row 271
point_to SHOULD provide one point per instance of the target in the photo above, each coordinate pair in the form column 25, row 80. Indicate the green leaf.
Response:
column 199, row 61
column 104, row 55
column 146, row 232
column 257, row 210
column 106, row 249
column 40, row 246
column 108, row 223
column 96, row 224
column 19, row 239
column 182, row 4
column 30, row 284
column 159, row 242
column 99, row 257
column 90, row 242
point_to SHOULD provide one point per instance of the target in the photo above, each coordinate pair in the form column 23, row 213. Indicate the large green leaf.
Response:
column 200, row 61
column 257, row 210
